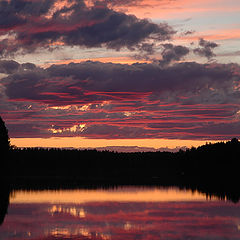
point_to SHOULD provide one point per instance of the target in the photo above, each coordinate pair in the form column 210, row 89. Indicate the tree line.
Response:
column 213, row 168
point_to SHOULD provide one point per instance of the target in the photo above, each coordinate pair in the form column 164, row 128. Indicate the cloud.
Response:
column 96, row 81
column 166, row 98
column 170, row 214
column 173, row 53
column 206, row 48
column 204, row 131
column 188, row 32
column 28, row 25
column 184, row 100
column 10, row 66
column 17, row 9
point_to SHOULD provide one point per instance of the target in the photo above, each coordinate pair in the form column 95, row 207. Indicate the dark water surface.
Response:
column 121, row 213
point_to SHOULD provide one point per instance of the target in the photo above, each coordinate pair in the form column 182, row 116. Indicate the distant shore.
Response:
column 211, row 169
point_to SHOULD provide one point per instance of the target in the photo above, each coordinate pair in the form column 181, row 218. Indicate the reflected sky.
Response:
column 103, row 218
column 121, row 194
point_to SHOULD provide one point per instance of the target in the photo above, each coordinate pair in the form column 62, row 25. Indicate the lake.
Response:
column 122, row 213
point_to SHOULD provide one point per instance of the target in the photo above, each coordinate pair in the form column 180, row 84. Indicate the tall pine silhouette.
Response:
column 4, row 139
column 4, row 191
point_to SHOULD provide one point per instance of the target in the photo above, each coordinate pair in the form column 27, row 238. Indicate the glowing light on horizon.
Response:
column 81, row 142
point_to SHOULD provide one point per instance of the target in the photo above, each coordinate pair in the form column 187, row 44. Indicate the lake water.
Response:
column 121, row 214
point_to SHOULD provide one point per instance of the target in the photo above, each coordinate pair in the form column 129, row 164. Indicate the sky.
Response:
column 146, row 73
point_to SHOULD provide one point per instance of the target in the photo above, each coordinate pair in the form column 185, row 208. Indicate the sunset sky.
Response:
column 148, row 73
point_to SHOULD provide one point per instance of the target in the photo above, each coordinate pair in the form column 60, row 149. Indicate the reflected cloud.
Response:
column 76, row 212
column 197, row 220
column 79, row 233
column 128, row 226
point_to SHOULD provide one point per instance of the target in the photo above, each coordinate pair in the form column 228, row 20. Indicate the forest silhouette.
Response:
column 211, row 169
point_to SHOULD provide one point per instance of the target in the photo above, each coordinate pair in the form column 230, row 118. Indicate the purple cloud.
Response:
column 29, row 27
column 206, row 48
column 106, row 100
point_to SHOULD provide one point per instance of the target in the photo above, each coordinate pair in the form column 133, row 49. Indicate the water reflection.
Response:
column 121, row 194
column 78, row 233
column 77, row 212
column 117, row 214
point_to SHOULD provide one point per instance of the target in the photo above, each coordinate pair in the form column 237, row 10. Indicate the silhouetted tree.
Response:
column 234, row 141
column 4, row 150
column 4, row 139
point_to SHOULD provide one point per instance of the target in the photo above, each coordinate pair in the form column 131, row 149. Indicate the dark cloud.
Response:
column 106, row 100
column 28, row 66
column 96, row 81
column 173, row 53
column 204, row 131
column 207, row 44
column 14, row 13
column 30, row 28
column 27, row 129
column 147, row 48
column 145, row 51
column 8, row 66
column 162, row 99
column 106, row 130
column 206, row 48
column 189, row 32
